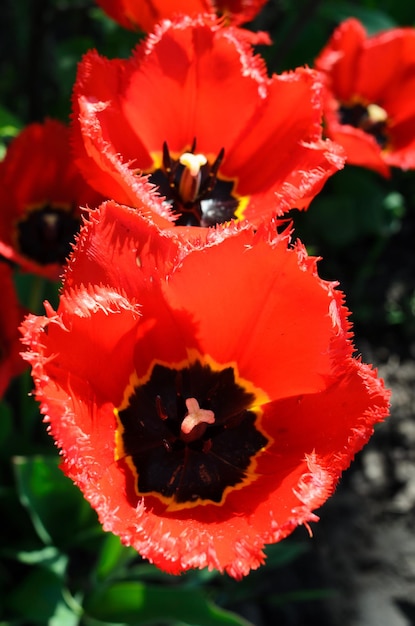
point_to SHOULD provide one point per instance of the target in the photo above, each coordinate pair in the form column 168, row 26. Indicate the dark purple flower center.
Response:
column 45, row 234
column 372, row 118
column 198, row 196
column 190, row 434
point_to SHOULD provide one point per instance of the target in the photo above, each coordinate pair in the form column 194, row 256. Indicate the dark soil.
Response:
column 364, row 544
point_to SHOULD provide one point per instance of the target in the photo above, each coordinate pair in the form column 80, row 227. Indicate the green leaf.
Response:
column 34, row 557
column 64, row 616
column 351, row 208
column 6, row 426
column 373, row 19
column 9, row 127
column 9, row 124
column 17, row 531
column 59, row 513
column 38, row 597
column 302, row 595
column 34, row 290
column 283, row 553
column 113, row 557
column 136, row 603
column 115, row 41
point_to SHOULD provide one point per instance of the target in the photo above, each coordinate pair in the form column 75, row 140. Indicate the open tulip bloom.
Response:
column 370, row 95
column 41, row 195
column 194, row 109
column 203, row 392
column 144, row 14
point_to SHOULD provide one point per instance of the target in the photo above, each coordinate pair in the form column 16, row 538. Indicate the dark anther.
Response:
column 161, row 411
column 168, row 165
column 192, row 186
column 211, row 178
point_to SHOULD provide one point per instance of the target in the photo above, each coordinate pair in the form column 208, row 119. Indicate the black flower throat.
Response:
column 190, row 434
column 371, row 118
column 45, row 234
column 191, row 185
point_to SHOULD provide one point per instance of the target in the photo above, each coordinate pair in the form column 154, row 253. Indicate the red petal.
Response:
column 122, row 248
column 84, row 314
column 387, row 62
column 11, row 363
column 340, row 58
column 360, row 148
column 291, row 160
column 232, row 319
column 190, row 62
column 145, row 14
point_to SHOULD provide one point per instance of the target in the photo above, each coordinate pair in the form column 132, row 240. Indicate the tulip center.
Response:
column 190, row 434
column 45, row 234
column 372, row 118
column 199, row 196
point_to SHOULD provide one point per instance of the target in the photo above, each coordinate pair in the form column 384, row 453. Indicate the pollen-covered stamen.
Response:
column 196, row 421
column 50, row 226
column 371, row 118
column 191, row 178
column 376, row 114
